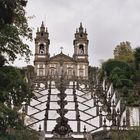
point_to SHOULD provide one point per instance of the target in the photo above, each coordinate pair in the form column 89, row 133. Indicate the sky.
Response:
column 108, row 22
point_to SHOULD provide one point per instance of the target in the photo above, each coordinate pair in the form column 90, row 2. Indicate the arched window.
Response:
column 53, row 71
column 41, row 48
column 81, row 49
column 40, row 72
column 81, row 73
column 69, row 72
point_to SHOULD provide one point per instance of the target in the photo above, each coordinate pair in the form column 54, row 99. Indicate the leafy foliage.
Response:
column 13, row 28
column 122, row 67
column 115, row 69
column 20, row 134
column 124, row 75
column 8, row 119
column 13, row 92
column 7, row 10
column 137, row 57
column 13, row 87
column 126, row 134
column 124, row 52
column 121, row 74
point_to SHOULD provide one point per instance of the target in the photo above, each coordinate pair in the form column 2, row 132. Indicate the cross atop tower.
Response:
column 61, row 49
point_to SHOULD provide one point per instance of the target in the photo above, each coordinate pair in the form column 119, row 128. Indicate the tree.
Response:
column 8, row 119
column 13, row 87
column 118, row 83
column 14, row 91
column 124, row 52
column 117, row 66
column 137, row 57
column 13, row 28
column 7, row 10
column 121, row 74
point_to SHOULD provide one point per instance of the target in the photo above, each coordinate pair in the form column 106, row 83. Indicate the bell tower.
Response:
column 41, row 50
column 81, row 44
column 81, row 52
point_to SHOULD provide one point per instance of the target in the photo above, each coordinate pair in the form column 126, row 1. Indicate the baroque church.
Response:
column 47, row 65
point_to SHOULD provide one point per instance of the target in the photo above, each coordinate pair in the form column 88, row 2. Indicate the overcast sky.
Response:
column 108, row 22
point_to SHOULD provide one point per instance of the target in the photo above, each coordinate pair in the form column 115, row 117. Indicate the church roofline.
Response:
column 62, row 55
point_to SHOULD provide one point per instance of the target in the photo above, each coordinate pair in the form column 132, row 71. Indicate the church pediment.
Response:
column 62, row 57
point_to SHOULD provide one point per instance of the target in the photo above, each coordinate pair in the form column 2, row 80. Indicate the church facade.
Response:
column 77, row 65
